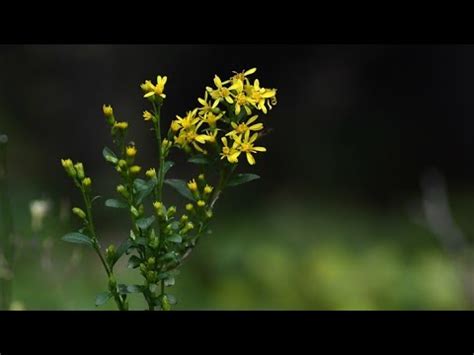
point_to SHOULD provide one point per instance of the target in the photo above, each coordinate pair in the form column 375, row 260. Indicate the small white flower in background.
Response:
column 17, row 306
column 38, row 209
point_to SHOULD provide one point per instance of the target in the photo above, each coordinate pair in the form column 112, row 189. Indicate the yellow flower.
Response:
column 152, row 90
column 151, row 173
column 208, row 189
column 211, row 136
column 246, row 146
column 131, row 151
column 107, row 110
column 259, row 95
column 192, row 185
column 190, row 136
column 243, row 127
column 121, row 125
column 206, row 106
column 175, row 126
column 147, row 116
column 188, row 121
column 242, row 75
column 231, row 153
column 211, row 119
column 157, row 205
column 221, row 92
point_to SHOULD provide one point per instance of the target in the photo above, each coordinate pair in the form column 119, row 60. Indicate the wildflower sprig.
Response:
column 214, row 135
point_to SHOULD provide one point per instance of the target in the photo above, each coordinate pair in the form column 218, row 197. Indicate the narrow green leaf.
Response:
column 167, row 166
column 77, row 238
column 242, row 179
column 146, row 190
column 181, row 187
column 113, row 203
column 133, row 262
column 199, row 159
column 96, row 198
column 102, row 297
column 125, row 289
column 175, row 238
column 109, row 155
column 144, row 223
column 122, row 249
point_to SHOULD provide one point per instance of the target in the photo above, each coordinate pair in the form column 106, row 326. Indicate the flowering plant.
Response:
column 215, row 136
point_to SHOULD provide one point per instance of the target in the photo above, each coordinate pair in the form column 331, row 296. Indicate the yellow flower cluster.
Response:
column 226, row 112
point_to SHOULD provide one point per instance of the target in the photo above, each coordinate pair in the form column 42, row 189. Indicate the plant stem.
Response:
column 96, row 245
column 6, row 233
column 159, row 187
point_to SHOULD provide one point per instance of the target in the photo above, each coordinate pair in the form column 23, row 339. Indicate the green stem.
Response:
column 159, row 187
column 96, row 245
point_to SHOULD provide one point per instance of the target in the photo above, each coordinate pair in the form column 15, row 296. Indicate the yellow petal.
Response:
column 217, row 81
column 260, row 149
column 256, row 127
column 252, row 119
column 250, row 159
column 229, row 100
column 250, row 71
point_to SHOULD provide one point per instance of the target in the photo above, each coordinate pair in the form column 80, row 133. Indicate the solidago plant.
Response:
column 220, row 134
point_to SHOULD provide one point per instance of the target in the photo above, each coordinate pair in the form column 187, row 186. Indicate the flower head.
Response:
column 152, row 90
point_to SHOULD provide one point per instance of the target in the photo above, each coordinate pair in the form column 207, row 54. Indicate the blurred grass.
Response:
column 282, row 256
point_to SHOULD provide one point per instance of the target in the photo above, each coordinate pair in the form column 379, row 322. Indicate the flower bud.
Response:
column 175, row 126
column 208, row 189
column 184, row 218
column 171, row 211
column 134, row 211
column 79, row 170
column 110, row 254
column 209, row 214
column 201, row 177
column 68, row 167
column 192, row 185
column 87, row 182
column 189, row 207
column 109, row 114
column 201, row 203
column 165, row 305
column 135, row 169
column 151, row 173
column 147, row 116
column 131, row 151
column 151, row 262
column 79, row 212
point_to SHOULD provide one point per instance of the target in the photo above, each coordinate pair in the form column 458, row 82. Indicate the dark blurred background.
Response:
column 338, row 219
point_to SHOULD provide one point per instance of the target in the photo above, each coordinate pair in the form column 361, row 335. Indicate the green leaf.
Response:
column 109, row 155
column 124, row 289
column 199, row 159
column 146, row 190
column 169, row 281
column 167, row 166
column 181, row 187
column 77, row 238
column 139, row 184
column 163, row 275
column 133, row 262
column 102, row 297
column 242, row 179
column 113, row 203
column 175, row 238
column 96, row 198
column 171, row 256
column 174, row 225
column 144, row 223
column 122, row 249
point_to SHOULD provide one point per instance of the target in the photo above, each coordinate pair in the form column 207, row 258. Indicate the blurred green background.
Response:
column 368, row 141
